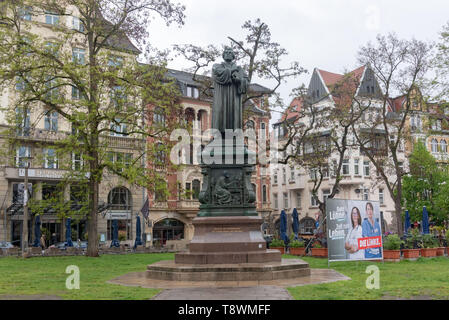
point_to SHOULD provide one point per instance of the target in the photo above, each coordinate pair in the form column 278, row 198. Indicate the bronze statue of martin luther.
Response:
column 230, row 83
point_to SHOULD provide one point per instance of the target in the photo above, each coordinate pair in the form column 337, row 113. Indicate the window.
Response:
column 52, row 89
column 292, row 173
column 18, row 192
column 160, row 155
column 51, row 121
column 443, row 146
column 275, row 199
column 76, row 93
column 124, row 229
column 22, row 153
column 264, row 193
column 436, row 125
column 381, row 196
column 20, row 84
column 78, row 55
column 25, row 13
column 192, row 92
column 434, row 145
column 286, row 201
column 118, row 97
column 23, row 122
column 366, row 168
column 120, row 199
column 298, row 199
column 262, row 130
column 51, row 18
column 284, row 175
column 159, row 116
column 275, row 178
column 50, row 159
column 325, row 171
column 115, row 61
column 326, row 194
column 401, row 167
column 334, row 167
column 365, row 194
column 77, row 24
column 313, row 201
column 313, row 173
column 188, row 190
column 345, row 168
column 356, row 167
column 196, row 189
column 118, row 129
column 77, row 161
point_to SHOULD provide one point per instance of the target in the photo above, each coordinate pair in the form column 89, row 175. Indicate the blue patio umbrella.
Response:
column 295, row 223
column 425, row 221
column 68, row 233
column 37, row 231
column 138, row 241
column 283, row 227
column 407, row 223
column 115, row 242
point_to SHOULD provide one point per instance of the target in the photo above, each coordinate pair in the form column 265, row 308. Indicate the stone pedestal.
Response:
column 225, row 240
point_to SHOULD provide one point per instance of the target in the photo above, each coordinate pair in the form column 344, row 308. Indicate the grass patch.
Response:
column 46, row 276
column 405, row 279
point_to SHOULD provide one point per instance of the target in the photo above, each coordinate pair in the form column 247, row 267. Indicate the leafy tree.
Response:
column 400, row 66
column 99, row 90
column 425, row 186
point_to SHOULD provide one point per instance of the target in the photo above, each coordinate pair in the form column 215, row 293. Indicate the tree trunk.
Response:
column 92, row 246
column 398, row 212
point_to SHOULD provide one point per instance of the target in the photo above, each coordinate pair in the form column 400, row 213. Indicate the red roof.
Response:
column 330, row 78
column 293, row 110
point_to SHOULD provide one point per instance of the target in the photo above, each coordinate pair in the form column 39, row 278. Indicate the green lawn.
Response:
column 425, row 278
column 46, row 276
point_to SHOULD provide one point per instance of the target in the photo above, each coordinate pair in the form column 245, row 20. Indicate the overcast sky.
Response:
column 318, row 33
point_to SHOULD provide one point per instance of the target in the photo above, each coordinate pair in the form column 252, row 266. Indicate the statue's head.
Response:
column 226, row 174
column 228, row 54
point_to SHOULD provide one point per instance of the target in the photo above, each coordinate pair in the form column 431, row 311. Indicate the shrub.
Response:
column 297, row 244
column 392, row 242
column 277, row 243
column 429, row 241
column 414, row 240
column 317, row 245
column 447, row 235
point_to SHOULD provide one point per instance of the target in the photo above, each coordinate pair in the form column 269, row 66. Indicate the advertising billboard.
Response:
column 354, row 230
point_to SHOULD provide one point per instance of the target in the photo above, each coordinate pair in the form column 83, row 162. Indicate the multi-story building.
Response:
column 41, row 130
column 292, row 184
column 426, row 122
column 171, row 217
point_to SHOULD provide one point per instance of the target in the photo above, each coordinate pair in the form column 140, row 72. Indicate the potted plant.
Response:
column 429, row 246
column 318, row 250
column 439, row 230
column 297, row 248
column 278, row 244
column 392, row 247
column 411, row 249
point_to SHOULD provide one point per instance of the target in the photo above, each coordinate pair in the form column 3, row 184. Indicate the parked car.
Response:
column 6, row 245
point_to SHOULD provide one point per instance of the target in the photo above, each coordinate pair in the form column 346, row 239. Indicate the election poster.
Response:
column 354, row 230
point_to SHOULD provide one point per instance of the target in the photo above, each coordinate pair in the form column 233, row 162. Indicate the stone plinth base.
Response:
column 228, row 257
column 284, row 269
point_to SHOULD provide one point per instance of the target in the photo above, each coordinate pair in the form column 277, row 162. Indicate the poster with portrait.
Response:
column 354, row 230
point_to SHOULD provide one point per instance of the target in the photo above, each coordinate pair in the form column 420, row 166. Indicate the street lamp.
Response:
column 27, row 161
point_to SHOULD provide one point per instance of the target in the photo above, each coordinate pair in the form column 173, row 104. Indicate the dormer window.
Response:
column 192, row 92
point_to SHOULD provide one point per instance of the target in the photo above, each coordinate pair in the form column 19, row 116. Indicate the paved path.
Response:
column 227, row 290
column 236, row 293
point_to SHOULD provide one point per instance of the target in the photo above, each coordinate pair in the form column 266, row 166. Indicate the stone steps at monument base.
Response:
column 262, row 256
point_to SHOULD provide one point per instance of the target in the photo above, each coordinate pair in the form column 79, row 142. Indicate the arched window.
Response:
column 443, row 146
column 196, row 189
column 434, row 145
column 120, row 199
column 250, row 124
